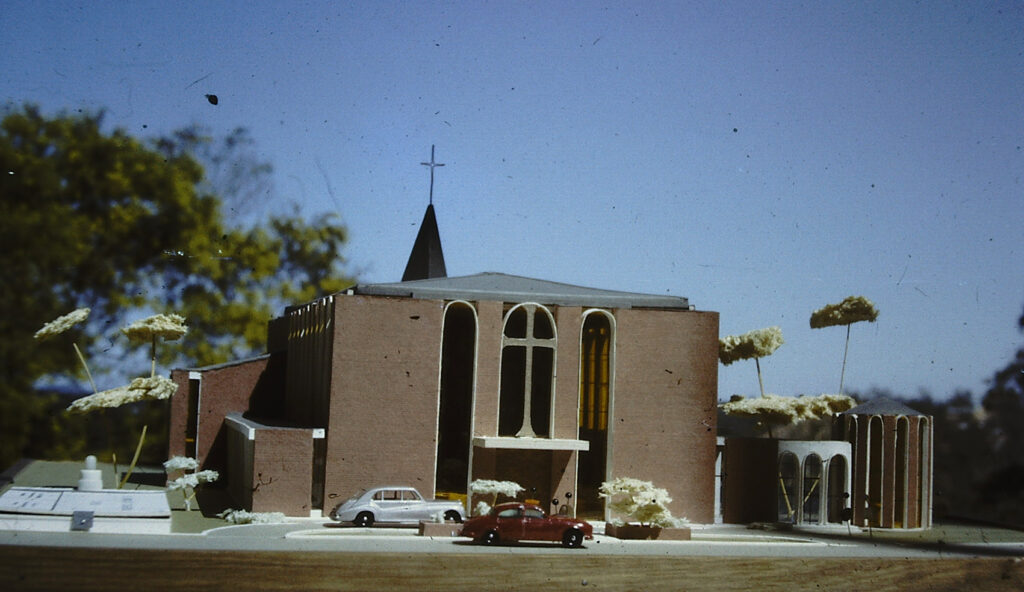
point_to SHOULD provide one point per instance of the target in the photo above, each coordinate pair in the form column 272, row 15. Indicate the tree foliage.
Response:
column 754, row 344
column 1003, row 404
column 853, row 309
column 100, row 219
column 640, row 501
column 772, row 410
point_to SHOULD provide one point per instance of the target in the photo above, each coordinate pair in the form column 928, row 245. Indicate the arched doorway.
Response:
column 837, row 497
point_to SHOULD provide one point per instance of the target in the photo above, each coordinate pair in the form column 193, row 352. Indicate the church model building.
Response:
column 434, row 382
column 437, row 381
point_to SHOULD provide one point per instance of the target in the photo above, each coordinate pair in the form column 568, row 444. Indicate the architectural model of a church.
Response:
column 435, row 381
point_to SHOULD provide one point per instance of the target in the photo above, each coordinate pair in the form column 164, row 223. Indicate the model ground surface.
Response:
column 206, row 553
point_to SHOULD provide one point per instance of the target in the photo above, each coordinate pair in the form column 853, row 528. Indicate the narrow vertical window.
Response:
column 900, row 507
column 192, row 418
column 812, row 490
column 875, row 471
column 595, row 402
column 924, row 482
column 458, row 364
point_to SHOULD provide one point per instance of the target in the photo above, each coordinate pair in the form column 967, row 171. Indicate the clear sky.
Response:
column 761, row 160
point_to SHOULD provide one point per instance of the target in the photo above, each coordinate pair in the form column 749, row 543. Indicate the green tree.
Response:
column 1002, row 491
column 962, row 455
column 91, row 218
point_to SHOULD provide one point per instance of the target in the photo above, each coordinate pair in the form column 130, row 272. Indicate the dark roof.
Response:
column 881, row 406
column 225, row 364
column 512, row 288
column 427, row 259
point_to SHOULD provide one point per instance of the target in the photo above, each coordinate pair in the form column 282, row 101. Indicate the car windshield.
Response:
column 508, row 513
column 356, row 496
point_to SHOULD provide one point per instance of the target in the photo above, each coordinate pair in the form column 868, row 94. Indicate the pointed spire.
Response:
column 427, row 259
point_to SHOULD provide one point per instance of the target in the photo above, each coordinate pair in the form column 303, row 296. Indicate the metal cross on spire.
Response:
column 432, row 166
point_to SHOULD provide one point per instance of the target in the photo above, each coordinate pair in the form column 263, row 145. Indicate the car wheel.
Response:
column 572, row 538
column 363, row 519
column 453, row 516
column 490, row 538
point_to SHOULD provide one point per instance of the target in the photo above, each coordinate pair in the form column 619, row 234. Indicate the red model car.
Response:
column 516, row 521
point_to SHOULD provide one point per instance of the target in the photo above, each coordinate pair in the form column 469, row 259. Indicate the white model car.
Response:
column 394, row 504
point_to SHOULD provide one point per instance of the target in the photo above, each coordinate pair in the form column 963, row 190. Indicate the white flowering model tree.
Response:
column 756, row 344
column 773, row 410
column 246, row 517
column 852, row 309
column 62, row 324
column 640, row 501
column 509, row 489
column 188, row 482
column 153, row 387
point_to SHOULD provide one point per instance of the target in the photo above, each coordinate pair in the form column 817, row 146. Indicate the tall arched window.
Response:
column 924, row 482
column 527, row 372
column 858, row 491
column 876, row 471
column 811, row 490
column 902, row 459
column 837, row 501
column 789, row 502
column 596, row 350
column 454, row 422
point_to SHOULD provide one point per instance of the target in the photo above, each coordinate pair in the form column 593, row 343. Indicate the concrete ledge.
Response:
column 512, row 443
column 635, row 532
column 439, row 529
column 103, row 524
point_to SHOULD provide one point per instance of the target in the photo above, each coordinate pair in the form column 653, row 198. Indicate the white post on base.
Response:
column 92, row 478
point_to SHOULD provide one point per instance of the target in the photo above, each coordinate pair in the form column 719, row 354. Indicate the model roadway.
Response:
column 314, row 554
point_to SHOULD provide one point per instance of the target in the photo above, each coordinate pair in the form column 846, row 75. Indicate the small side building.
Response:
column 892, row 451
column 804, row 482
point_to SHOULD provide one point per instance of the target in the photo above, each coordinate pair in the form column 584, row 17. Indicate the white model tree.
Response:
column 509, row 489
column 168, row 327
column 852, row 309
column 62, row 324
column 756, row 344
column 772, row 410
column 188, row 482
column 246, row 517
column 639, row 500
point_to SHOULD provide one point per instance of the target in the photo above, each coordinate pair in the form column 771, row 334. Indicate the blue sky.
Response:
column 761, row 160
